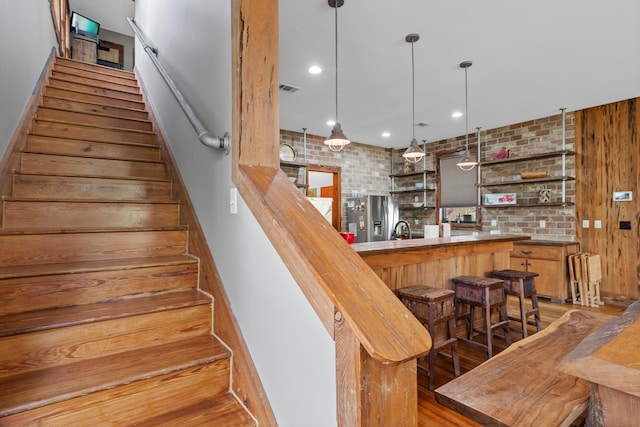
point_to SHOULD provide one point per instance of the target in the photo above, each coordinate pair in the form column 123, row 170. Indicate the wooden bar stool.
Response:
column 433, row 306
column 486, row 293
column 522, row 285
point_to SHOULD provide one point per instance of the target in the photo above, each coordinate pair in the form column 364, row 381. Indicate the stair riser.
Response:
column 77, row 147
column 128, row 80
column 53, row 90
column 47, row 113
column 101, row 84
column 40, row 292
column 78, row 166
column 92, row 133
column 79, row 188
column 94, row 68
column 75, row 215
column 94, row 90
column 31, row 249
column 86, row 107
column 69, row 344
column 136, row 401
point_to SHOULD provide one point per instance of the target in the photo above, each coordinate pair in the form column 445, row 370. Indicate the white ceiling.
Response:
column 111, row 15
column 530, row 58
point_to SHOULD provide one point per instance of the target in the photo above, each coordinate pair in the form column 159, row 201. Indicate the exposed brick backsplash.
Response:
column 366, row 169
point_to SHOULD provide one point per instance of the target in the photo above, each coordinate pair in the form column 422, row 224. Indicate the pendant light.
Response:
column 468, row 162
column 337, row 140
column 414, row 153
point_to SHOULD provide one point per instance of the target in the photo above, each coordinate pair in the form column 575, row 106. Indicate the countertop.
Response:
column 370, row 248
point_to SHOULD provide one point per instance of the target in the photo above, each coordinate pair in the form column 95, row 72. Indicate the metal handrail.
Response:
column 206, row 138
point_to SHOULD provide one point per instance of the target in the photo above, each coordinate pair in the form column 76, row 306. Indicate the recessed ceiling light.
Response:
column 331, row 123
column 456, row 114
column 386, row 134
column 314, row 69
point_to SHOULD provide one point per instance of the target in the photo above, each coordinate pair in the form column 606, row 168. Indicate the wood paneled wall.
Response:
column 608, row 158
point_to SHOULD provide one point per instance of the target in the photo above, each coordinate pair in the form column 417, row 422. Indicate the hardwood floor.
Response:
column 431, row 413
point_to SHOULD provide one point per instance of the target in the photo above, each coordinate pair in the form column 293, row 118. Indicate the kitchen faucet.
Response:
column 395, row 233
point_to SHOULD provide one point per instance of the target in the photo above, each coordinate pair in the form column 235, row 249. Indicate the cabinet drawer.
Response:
column 538, row 252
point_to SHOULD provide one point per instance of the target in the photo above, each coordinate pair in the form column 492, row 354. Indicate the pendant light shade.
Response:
column 468, row 162
column 337, row 140
column 414, row 153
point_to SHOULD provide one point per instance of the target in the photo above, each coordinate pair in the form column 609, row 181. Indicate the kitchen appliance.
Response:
column 371, row 218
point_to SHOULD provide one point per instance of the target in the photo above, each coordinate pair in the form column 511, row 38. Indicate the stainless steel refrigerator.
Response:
column 372, row 218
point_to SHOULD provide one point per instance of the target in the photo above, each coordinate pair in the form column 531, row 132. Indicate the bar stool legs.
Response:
column 522, row 285
column 433, row 306
column 487, row 294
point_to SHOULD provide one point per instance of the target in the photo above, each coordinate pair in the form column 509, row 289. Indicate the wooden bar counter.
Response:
column 434, row 262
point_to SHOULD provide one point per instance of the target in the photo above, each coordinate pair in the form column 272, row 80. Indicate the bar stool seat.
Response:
column 522, row 285
column 486, row 293
column 434, row 306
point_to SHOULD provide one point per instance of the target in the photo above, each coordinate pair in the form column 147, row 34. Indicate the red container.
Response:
column 349, row 237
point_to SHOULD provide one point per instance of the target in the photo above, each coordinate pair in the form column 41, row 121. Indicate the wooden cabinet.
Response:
column 84, row 49
column 549, row 260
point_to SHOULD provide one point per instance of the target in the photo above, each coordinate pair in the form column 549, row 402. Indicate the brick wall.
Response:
column 367, row 168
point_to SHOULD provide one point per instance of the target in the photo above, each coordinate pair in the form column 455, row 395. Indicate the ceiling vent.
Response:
column 288, row 88
column 423, row 124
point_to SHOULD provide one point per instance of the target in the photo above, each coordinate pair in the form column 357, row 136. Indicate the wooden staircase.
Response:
column 101, row 319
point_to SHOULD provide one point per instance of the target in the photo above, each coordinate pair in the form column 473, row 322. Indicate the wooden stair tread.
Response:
column 60, row 317
column 89, row 125
column 92, row 201
column 222, row 410
column 120, row 178
column 45, row 386
column 52, row 90
column 22, row 231
column 53, row 137
column 100, row 158
column 87, row 267
column 97, row 68
column 92, row 106
column 94, row 114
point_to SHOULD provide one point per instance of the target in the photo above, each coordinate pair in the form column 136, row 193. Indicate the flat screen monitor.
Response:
column 83, row 25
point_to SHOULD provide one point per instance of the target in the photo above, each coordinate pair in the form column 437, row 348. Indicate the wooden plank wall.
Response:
column 607, row 160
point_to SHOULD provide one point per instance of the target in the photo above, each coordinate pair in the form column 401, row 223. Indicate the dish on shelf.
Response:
column 287, row 153
column 417, row 204
column 532, row 175
column 420, row 185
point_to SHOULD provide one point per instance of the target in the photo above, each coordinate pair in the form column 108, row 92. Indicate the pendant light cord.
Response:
column 413, row 95
column 336, row 51
column 466, row 108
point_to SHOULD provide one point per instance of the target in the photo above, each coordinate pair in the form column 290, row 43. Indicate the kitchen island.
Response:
column 434, row 262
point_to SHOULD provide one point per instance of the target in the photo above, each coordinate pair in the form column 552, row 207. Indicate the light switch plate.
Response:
column 494, row 222
column 597, row 224
column 233, row 201
column 543, row 223
column 585, row 223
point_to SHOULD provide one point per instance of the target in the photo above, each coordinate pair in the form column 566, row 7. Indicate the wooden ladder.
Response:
column 101, row 319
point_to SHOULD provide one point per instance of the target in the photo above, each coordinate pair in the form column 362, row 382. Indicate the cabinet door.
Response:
column 551, row 283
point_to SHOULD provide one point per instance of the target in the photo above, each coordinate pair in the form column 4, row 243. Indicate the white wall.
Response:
column 27, row 35
column 293, row 353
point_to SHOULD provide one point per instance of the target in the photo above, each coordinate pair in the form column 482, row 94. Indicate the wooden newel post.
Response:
column 370, row 393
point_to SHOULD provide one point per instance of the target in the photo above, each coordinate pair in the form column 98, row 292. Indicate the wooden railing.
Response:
column 60, row 17
column 377, row 339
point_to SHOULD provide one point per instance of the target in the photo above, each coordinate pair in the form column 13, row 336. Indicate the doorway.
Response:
column 324, row 181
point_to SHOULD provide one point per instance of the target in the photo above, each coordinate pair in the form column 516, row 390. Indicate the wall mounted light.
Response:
column 468, row 162
column 414, row 153
column 337, row 140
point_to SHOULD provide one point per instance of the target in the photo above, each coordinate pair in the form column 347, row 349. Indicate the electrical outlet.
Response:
column 494, row 222
column 543, row 223
column 597, row 224
column 233, row 201
column 585, row 223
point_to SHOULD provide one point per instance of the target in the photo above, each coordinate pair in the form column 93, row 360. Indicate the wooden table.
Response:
column 521, row 386
column 610, row 360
